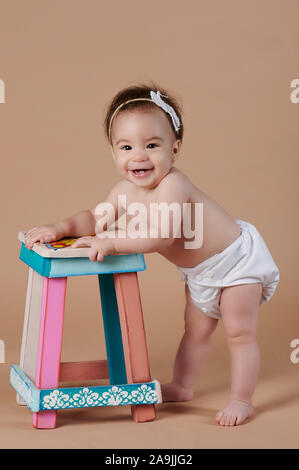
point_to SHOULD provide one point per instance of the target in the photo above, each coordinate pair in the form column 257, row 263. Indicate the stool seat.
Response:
column 75, row 262
column 38, row 377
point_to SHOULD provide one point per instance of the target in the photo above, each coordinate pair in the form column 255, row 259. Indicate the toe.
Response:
column 232, row 420
column 223, row 419
column 227, row 420
column 219, row 416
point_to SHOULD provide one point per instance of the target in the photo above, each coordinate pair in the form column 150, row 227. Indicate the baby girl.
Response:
column 227, row 276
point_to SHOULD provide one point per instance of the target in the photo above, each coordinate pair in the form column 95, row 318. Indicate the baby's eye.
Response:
column 153, row 144
column 123, row 148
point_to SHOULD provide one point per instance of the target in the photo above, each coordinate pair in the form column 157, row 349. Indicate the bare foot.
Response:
column 234, row 413
column 175, row 392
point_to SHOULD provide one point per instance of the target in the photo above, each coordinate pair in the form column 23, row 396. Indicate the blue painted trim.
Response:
column 83, row 397
column 88, row 397
column 64, row 267
column 38, row 263
column 24, row 387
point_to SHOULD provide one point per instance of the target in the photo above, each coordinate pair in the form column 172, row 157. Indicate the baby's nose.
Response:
column 139, row 157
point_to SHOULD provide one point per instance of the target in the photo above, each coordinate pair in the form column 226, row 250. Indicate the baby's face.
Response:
column 144, row 146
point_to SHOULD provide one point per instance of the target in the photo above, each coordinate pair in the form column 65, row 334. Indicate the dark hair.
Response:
column 142, row 90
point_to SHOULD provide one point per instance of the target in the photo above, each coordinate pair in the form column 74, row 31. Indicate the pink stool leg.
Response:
column 133, row 338
column 50, row 341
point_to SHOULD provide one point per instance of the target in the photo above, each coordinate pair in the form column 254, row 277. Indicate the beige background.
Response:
column 231, row 64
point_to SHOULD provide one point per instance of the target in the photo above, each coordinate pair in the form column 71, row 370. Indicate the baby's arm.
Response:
column 78, row 225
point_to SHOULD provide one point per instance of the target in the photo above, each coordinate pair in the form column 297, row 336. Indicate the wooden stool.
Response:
column 37, row 378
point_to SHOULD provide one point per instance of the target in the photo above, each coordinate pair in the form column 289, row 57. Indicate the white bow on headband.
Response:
column 156, row 97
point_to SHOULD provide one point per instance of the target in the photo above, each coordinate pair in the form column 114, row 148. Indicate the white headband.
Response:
column 155, row 98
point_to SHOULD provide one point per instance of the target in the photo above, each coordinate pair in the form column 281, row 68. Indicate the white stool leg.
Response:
column 30, row 338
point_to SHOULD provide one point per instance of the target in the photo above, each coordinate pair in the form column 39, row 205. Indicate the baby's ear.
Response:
column 176, row 150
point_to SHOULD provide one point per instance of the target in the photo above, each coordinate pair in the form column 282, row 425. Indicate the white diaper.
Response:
column 247, row 260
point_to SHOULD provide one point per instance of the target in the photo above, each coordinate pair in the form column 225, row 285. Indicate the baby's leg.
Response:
column 193, row 348
column 239, row 307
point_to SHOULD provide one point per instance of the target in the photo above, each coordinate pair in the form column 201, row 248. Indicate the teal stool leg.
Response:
column 112, row 330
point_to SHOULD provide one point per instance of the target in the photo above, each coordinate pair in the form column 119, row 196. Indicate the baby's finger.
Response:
column 28, row 236
column 33, row 232
column 28, row 241
column 32, row 240
column 81, row 243
column 39, row 236
column 93, row 252
column 76, row 243
column 29, row 231
column 29, row 244
column 47, row 237
column 100, row 256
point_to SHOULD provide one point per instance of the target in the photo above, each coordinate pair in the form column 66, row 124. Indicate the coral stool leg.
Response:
column 133, row 338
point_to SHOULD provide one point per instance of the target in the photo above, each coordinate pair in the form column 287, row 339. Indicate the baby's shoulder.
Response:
column 176, row 186
column 176, row 179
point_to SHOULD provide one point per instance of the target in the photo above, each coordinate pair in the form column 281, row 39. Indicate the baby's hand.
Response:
column 99, row 247
column 43, row 234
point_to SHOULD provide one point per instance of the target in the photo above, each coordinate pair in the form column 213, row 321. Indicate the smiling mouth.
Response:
column 141, row 171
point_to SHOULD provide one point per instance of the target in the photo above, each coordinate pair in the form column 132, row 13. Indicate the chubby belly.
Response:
column 216, row 237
